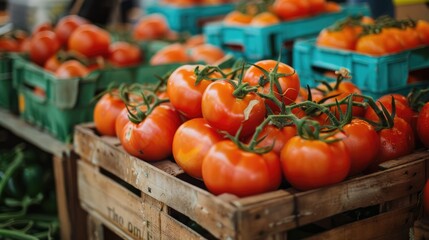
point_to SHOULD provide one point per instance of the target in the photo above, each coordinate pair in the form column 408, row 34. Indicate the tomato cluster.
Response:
column 247, row 130
column 264, row 13
column 375, row 37
column 190, row 3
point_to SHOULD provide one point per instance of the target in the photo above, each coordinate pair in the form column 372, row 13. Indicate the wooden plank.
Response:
column 372, row 228
column 31, row 134
column 61, row 195
column 261, row 215
column 421, row 229
column 420, row 154
column 216, row 215
column 117, row 205
column 171, row 229
column 95, row 228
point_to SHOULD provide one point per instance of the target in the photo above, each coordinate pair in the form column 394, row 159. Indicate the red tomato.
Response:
column 67, row 25
column 42, row 46
column 372, row 44
column 228, row 169
column 226, row 112
column 316, row 6
column 184, row 94
column 52, row 64
column 70, row 69
column 237, row 18
column 90, row 40
column 422, row 28
column 393, row 42
column 275, row 137
column 363, row 144
column 42, row 27
column 192, row 141
column 123, row 54
column 173, row 53
column 120, row 122
column 310, row 164
column 265, row 19
column 9, row 45
column 291, row 9
column 206, row 53
column 410, row 37
column 152, row 139
column 150, row 27
column 402, row 110
column 423, row 125
column 290, row 85
column 105, row 112
column 395, row 142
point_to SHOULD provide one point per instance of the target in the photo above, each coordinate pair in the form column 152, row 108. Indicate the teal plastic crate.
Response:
column 68, row 102
column 375, row 76
column 257, row 43
column 8, row 96
column 190, row 19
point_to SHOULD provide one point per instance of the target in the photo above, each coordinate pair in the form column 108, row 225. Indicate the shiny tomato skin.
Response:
column 372, row 44
column 207, row 53
column 290, row 85
column 120, row 121
column 275, row 137
column 237, row 18
column 66, row 25
column 90, row 41
column 70, row 69
column 395, row 142
column 9, row 45
column 42, row 46
column 363, row 143
column 228, row 169
column 152, row 139
column 403, row 111
column 105, row 113
column 123, row 54
column 150, row 27
column 173, row 53
column 291, row 9
column 184, row 95
column 225, row 112
column 52, row 64
column 265, row 19
column 310, row 164
column 423, row 125
column 192, row 140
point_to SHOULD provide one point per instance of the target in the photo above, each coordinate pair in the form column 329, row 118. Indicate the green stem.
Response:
column 16, row 235
column 19, row 159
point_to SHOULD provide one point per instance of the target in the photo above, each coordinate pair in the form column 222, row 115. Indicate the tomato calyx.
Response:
column 386, row 119
column 418, row 98
column 254, row 7
column 206, row 74
column 350, row 21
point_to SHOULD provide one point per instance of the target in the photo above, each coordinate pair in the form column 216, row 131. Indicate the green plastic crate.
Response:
column 8, row 96
column 68, row 102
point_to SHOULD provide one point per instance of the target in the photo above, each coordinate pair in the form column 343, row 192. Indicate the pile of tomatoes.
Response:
column 264, row 13
column 190, row 3
column 245, row 130
column 375, row 37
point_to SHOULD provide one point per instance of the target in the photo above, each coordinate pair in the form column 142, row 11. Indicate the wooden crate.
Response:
column 158, row 201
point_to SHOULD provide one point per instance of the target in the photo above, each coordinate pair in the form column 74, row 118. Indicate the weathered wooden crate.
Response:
column 158, row 201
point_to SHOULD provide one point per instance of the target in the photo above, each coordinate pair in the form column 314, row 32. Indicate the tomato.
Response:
column 290, row 85
column 195, row 40
column 362, row 142
column 52, row 64
column 422, row 27
column 310, row 164
column 123, row 54
column 66, row 25
column 291, row 9
column 228, row 169
column 70, row 69
column 372, row 44
column 105, row 112
column 173, row 53
column 150, row 27
column 9, row 45
column 120, row 122
column 191, row 142
column 45, row 26
column 396, row 142
column 402, row 110
column 226, row 112
column 332, row 7
column 335, row 39
column 152, row 139
column 316, row 6
column 90, row 41
column 185, row 95
column 275, row 137
column 265, row 19
column 42, row 46
column 393, row 41
column 237, row 18
column 423, row 125
column 410, row 37
column 206, row 53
